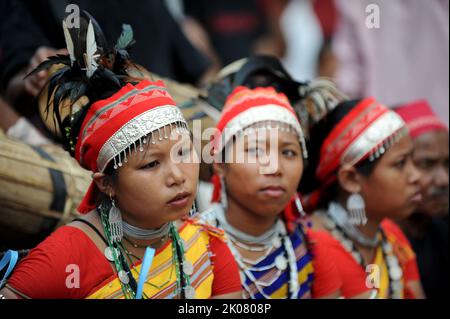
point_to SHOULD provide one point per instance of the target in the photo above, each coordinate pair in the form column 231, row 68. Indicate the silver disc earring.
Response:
column 357, row 209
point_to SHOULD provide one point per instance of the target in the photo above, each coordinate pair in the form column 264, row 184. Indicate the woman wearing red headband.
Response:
column 259, row 148
column 361, row 175
column 135, row 141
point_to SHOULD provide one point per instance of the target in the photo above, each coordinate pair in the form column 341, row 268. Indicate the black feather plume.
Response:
column 70, row 82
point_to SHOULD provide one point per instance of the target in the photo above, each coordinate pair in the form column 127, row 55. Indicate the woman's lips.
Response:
column 416, row 198
column 180, row 201
column 273, row 191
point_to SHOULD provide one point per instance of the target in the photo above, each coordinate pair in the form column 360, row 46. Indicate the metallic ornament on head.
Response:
column 311, row 100
column 100, row 111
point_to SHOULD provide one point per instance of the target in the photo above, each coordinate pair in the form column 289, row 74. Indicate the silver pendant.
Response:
column 357, row 209
column 188, row 268
column 277, row 242
column 189, row 292
column 109, row 253
column 123, row 277
column 281, row 262
column 396, row 273
column 115, row 224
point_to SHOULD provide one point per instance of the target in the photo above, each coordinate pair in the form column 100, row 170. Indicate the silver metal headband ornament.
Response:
column 384, row 132
column 260, row 119
column 378, row 137
column 148, row 127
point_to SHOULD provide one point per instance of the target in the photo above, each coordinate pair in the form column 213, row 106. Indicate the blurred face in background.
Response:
column 431, row 158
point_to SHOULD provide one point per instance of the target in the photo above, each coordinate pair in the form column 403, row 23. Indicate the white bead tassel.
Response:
column 298, row 204
column 292, row 259
column 120, row 161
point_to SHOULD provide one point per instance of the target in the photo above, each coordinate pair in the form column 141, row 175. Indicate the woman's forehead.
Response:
column 275, row 134
column 160, row 146
column 403, row 147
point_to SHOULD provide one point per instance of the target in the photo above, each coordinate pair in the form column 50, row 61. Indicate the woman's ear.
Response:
column 349, row 179
column 104, row 184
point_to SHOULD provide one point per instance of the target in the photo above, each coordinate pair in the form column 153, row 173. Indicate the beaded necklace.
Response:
column 395, row 272
column 279, row 236
column 116, row 252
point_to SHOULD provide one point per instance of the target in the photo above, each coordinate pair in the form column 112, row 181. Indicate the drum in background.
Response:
column 40, row 189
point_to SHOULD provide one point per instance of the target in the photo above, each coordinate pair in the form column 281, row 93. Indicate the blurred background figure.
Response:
column 239, row 28
column 307, row 27
column 405, row 57
column 427, row 228
column 298, row 32
column 18, row 127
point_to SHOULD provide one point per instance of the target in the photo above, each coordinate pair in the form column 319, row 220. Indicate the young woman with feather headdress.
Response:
column 135, row 239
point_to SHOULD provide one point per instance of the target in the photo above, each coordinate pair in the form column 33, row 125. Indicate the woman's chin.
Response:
column 177, row 215
column 405, row 213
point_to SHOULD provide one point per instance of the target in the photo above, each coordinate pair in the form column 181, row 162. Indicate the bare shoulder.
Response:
column 93, row 219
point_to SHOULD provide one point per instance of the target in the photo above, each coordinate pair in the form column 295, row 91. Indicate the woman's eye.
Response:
column 425, row 164
column 151, row 165
column 289, row 153
column 400, row 164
